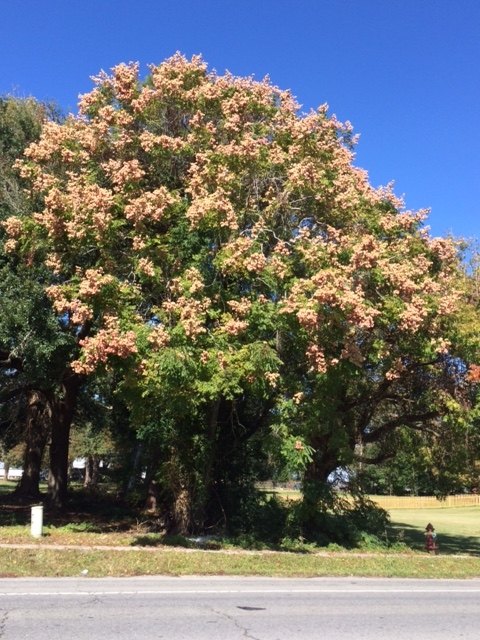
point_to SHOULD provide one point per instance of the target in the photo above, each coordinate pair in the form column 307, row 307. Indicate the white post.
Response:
column 37, row 521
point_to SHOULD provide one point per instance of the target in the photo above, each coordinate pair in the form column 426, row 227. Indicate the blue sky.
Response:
column 404, row 72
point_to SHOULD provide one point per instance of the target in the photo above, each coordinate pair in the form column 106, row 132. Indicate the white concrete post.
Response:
column 37, row 521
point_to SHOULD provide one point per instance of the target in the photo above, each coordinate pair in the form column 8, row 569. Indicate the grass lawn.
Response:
column 6, row 487
column 458, row 528
column 101, row 521
column 43, row 561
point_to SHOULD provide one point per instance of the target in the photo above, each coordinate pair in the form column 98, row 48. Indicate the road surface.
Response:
column 197, row 608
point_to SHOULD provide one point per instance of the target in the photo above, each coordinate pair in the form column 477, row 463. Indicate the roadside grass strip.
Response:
column 45, row 562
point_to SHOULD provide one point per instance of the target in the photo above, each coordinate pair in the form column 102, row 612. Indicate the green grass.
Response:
column 103, row 522
column 45, row 562
column 458, row 528
column 6, row 487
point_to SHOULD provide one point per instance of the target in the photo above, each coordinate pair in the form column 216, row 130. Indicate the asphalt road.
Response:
column 238, row 608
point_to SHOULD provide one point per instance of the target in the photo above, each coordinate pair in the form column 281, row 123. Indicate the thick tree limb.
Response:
column 412, row 420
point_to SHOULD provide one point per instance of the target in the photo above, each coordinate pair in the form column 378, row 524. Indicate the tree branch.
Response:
column 412, row 420
column 378, row 459
column 10, row 361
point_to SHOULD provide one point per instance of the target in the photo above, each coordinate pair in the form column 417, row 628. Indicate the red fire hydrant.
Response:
column 431, row 544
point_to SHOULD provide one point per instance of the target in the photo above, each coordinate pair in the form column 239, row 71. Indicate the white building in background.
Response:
column 79, row 463
column 13, row 472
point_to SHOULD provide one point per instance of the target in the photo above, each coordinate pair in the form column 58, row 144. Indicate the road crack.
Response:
column 3, row 622
column 237, row 623
column 93, row 600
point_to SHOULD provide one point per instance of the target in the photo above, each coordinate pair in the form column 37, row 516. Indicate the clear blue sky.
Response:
column 404, row 72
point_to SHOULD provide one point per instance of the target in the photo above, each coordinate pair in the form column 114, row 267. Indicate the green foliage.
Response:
column 220, row 270
column 33, row 345
column 29, row 329
column 20, row 123
column 439, row 462
column 260, row 519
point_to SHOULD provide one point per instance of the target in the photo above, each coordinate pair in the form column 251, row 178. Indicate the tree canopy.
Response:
column 219, row 255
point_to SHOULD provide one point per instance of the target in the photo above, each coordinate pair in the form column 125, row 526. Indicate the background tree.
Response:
column 32, row 346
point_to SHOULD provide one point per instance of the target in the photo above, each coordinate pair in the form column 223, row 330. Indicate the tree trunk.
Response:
column 317, row 496
column 181, row 499
column 38, row 426
column 62, row 414
column 135, row 468
column 182, row 511
column 210, row 456
column 151, row 502
column 92, row 467
column 325, row 460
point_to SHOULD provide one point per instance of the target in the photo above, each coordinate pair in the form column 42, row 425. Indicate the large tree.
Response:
column 33, row 348
column 222, row 251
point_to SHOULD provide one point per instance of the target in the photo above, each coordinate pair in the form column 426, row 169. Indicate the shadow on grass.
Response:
column 156, row 540
column 86, row 511
column 448, row 544
column 103, row 513
column 6, row 487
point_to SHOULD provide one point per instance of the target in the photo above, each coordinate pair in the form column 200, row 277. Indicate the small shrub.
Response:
column 367, row 516
column 370, row 542
column 175, row 541
column 298, row 545
column 261, row 519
